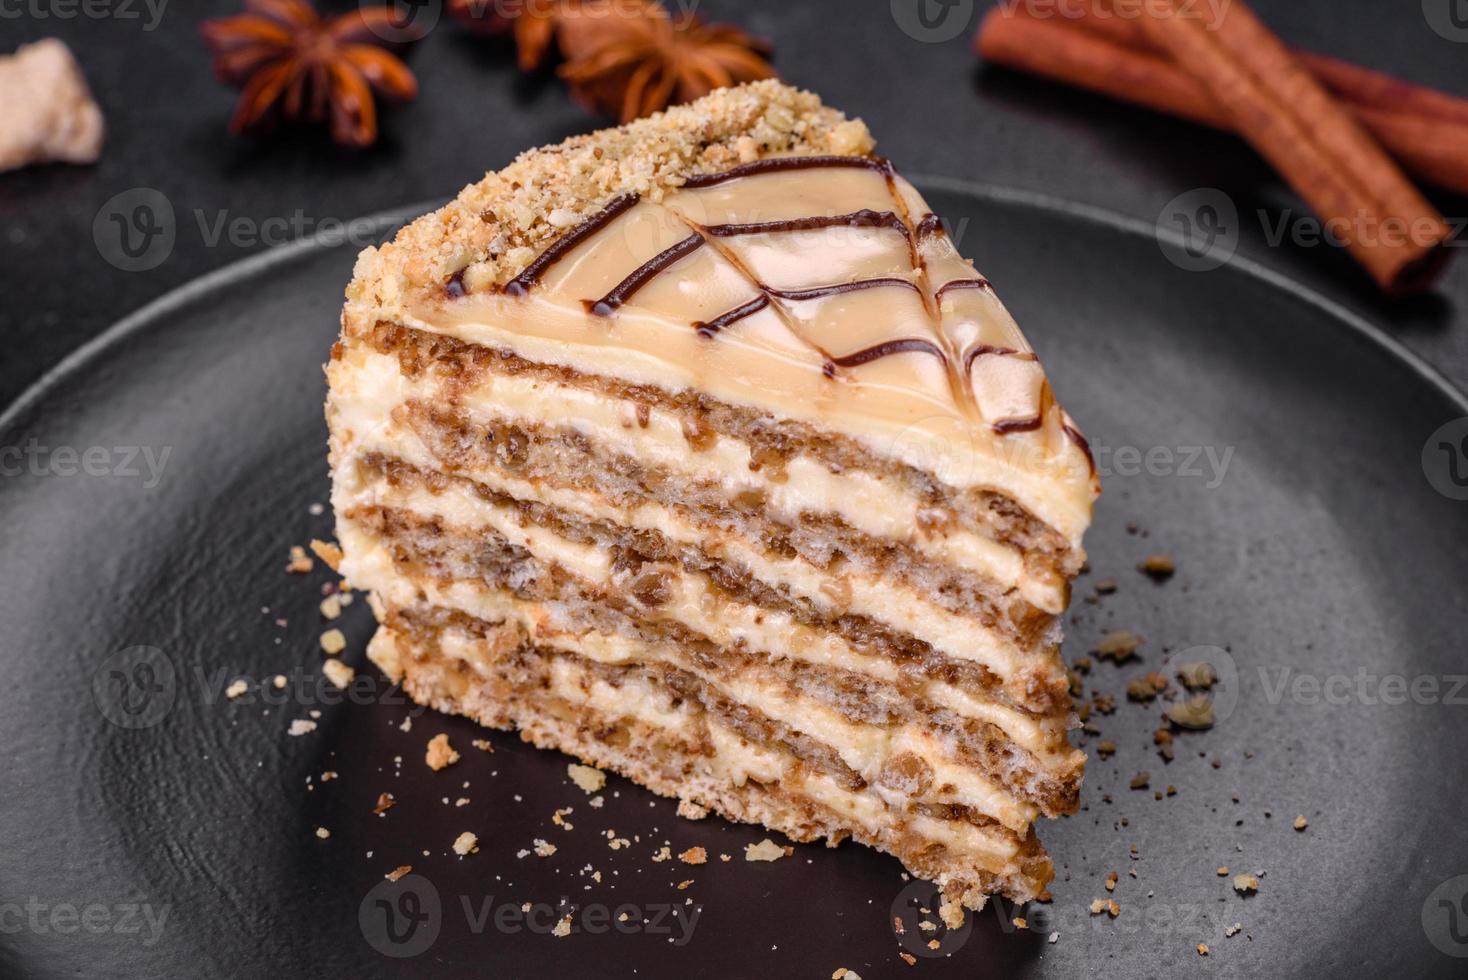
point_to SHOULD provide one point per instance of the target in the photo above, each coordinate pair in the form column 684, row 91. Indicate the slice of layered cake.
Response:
column 695, row 450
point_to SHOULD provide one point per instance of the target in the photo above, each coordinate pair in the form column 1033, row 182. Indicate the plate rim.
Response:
column 98, row 346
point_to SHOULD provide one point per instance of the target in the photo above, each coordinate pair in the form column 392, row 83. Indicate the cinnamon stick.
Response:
column 1289, row 118
column 1424, row 129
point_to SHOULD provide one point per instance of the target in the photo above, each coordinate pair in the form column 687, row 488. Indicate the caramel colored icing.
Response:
column 821, row 288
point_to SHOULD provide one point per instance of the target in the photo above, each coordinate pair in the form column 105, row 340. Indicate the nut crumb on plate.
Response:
column 338, row 673
column 440, row 753
column 590, row 780
column 765, row 850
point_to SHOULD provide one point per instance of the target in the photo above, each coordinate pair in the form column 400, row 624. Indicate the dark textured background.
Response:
column 933, row 109
column 1288, row 561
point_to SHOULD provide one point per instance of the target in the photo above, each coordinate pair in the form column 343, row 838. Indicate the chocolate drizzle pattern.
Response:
column 786, row 164
column 865, row 218
column 711, row 327
column 957, row 359
column 946, row 288
column 887, row 349
column 644, row 274
column 521, row 284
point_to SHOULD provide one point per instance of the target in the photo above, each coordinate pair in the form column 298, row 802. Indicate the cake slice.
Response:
column 695, row 450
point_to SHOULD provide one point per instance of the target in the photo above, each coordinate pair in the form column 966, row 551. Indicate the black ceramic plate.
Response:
column 152, row 827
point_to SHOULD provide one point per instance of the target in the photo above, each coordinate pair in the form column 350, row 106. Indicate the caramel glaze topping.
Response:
column 929, row 256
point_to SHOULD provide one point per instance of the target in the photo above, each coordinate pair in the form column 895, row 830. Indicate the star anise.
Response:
column 531, row 22
column 293, row 63
column 632, row 59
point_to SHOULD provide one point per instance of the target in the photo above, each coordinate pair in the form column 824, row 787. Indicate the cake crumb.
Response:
column 1159, row 568
column 1233, row 930
column 563, row 928
column 765, row 850
column 322, row 833
column 398, row 872
column 589, row 779
column 694, row 855
column 1245, row 884
column 385, row 802
column 1106, row 905
column 333, row 642
column 1301, row 823
column 1198, row 675
column 279, row 681
column 1118, row 646
column 908, row 958
column 483, row 745
column 440, row 753
column 951, row 913
column 300, row 563
column 1194, row 714
column 1202, row 949
column 466, row 843
column 1111, row 880
column 339, row 673
column 689, row 810
column 331, row 607
column 301, row 726
column 844, row 974
column 1223, row 871
column 543, row 848
column 327, row 552
column 236, row 689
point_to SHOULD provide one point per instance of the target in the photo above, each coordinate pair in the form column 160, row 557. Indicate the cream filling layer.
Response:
column 1050, row 475
column 866, row 749
column 691, row 603
column 370, row 386
column 737, row 761
column 899, row 607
